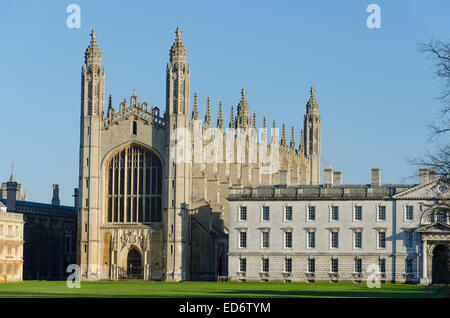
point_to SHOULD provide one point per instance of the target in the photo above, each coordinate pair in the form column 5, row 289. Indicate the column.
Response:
column 424, row 279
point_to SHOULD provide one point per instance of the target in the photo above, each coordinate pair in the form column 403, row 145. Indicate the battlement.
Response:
column 136, row 109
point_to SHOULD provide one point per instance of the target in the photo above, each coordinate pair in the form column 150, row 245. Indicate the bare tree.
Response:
column 439, row 159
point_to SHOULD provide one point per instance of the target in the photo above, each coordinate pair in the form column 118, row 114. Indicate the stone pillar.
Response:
column 424, row 279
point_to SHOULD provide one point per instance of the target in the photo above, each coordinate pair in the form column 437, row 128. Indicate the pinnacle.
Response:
column 312, row 104
column 195, row 108
column 283, row 135
column 178, row 48
column 231, row 125
column 292, row 144
column 93, row 52
column 12, row 178
column 219, row 117
column 208, row 112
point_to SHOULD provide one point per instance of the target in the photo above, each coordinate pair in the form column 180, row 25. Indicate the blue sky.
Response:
column 377, row 93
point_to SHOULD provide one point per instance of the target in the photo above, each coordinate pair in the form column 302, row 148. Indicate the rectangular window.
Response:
column 409, row 265
column 242, row 239
column 381, row 213
column 243, row 213
column 243, row 265
column 382, row 264
column 288, row 239
column 265, row 265
column 358, row 212
column 334, row 213
column 409, row 212
column 311, row 265
column 358, row 265
column 334, row 265
column 358, row 239
column 311, row 213
column 335, row 239
column 381, row 239
column 409, row 239
column 311, row 239
column 288, row 213
column 288, row 265
column 265, row 239
column 266, row 213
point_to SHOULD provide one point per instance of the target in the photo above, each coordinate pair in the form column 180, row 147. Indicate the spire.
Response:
column 25, row 196
column 93, row 53
column 195, row 108
column 254, row 121
column 312, row 105
column 264, row 131
column 110, row 103
column 243, row 109
column 231, row 125
column 274, row 133
column 12, row 178
column 178, row 50
column 219, row 117
column 292, row 144
column 283, row 135
column 208, row 114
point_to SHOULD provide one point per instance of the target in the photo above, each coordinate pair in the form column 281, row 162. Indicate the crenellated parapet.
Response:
column 150, row 115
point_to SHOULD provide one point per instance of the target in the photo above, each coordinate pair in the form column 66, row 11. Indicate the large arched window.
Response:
column 134, row 186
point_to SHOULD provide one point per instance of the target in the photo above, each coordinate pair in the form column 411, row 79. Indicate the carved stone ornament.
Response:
column 135, row 237
column 440, row 189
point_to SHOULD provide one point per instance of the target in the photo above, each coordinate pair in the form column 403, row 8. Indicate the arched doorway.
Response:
column 134, row 268
column 441, row 272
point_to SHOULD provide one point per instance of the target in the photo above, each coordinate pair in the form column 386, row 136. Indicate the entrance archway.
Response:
column 134, row 268
column 441, row 272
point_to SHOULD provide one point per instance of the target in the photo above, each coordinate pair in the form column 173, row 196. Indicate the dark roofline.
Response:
column 42, row 205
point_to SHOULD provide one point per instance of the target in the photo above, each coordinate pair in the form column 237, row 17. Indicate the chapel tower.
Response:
column 92, row 106
column 178, row 169
column 311, row 135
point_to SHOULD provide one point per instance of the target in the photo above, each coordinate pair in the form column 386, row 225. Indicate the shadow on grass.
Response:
column 221, row 290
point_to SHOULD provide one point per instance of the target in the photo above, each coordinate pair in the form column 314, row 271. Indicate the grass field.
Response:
column 212, row 289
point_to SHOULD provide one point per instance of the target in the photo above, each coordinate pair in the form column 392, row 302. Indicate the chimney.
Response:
column 431, row 175
column 376, row 177
column 327, row 177
column 55, row 199
column 423, row 175
column 75, row 198
column 337, row 178
column 283, row 177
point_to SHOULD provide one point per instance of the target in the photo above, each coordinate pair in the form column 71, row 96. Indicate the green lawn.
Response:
column 212, row 289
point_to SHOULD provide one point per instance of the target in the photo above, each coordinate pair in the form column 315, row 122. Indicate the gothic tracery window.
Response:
column 134, row 186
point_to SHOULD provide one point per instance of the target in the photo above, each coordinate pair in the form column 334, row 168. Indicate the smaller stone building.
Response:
column 11, row 245
column 335, row 232
column 49, row 234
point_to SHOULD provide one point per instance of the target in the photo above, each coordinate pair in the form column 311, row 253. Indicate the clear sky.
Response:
column 377, row 93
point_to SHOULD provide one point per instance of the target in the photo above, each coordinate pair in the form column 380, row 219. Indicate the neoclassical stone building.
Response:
column 334, row 232
column 153, row 184
column 11, row 245
column 46, row 240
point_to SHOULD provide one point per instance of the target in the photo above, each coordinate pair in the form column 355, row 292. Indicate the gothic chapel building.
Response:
column 146, row 214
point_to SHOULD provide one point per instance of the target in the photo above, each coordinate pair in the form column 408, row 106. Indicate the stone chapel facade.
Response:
column 153, row 186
